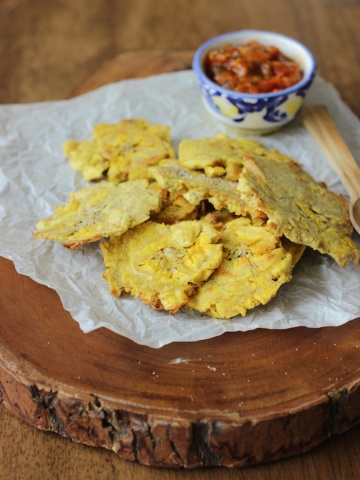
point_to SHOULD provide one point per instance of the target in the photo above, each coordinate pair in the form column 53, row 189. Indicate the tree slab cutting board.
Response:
column 234, row 400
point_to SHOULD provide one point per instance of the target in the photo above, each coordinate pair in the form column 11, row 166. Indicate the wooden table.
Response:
column 48, row 49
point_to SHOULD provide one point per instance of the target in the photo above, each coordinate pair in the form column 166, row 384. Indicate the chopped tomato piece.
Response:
column 252, row 68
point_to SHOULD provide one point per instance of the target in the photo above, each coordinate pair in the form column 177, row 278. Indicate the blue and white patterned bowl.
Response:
column 255, row 113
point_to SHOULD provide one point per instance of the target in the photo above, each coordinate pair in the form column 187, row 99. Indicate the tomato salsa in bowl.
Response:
column 253, row 80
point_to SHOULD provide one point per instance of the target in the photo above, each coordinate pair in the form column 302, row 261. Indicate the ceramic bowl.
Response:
column 255, row 113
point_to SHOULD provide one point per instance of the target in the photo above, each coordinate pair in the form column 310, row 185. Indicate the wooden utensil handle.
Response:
column 320, row 125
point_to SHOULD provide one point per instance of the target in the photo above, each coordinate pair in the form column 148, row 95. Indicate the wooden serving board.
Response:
column 234, row 400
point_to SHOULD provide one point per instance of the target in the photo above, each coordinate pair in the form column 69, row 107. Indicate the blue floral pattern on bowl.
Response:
column 268, row 107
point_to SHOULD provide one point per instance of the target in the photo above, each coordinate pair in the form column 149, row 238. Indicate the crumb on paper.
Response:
column 176, row 361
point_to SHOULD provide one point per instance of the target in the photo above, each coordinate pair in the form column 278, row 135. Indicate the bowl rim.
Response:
column 197, row 67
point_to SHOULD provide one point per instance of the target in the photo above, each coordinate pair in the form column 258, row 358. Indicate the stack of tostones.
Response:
column 98, row 211
column 121, row 151
column 196, row 187
column 219, row 230
column 162, row 264
column 218, row 156
column 254, row 267
column 296, row 206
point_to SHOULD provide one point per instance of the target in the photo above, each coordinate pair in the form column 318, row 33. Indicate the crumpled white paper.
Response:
column 35, row 176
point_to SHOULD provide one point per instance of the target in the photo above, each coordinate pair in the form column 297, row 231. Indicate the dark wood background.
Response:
column 50, row 47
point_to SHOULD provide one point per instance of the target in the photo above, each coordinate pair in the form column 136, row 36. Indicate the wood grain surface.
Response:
column 136, row 64
column 54, row 54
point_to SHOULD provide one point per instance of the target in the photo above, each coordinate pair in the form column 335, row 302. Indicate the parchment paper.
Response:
column 35, row 176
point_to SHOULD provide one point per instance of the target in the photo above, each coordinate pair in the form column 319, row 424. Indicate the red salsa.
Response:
column 252, row 68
